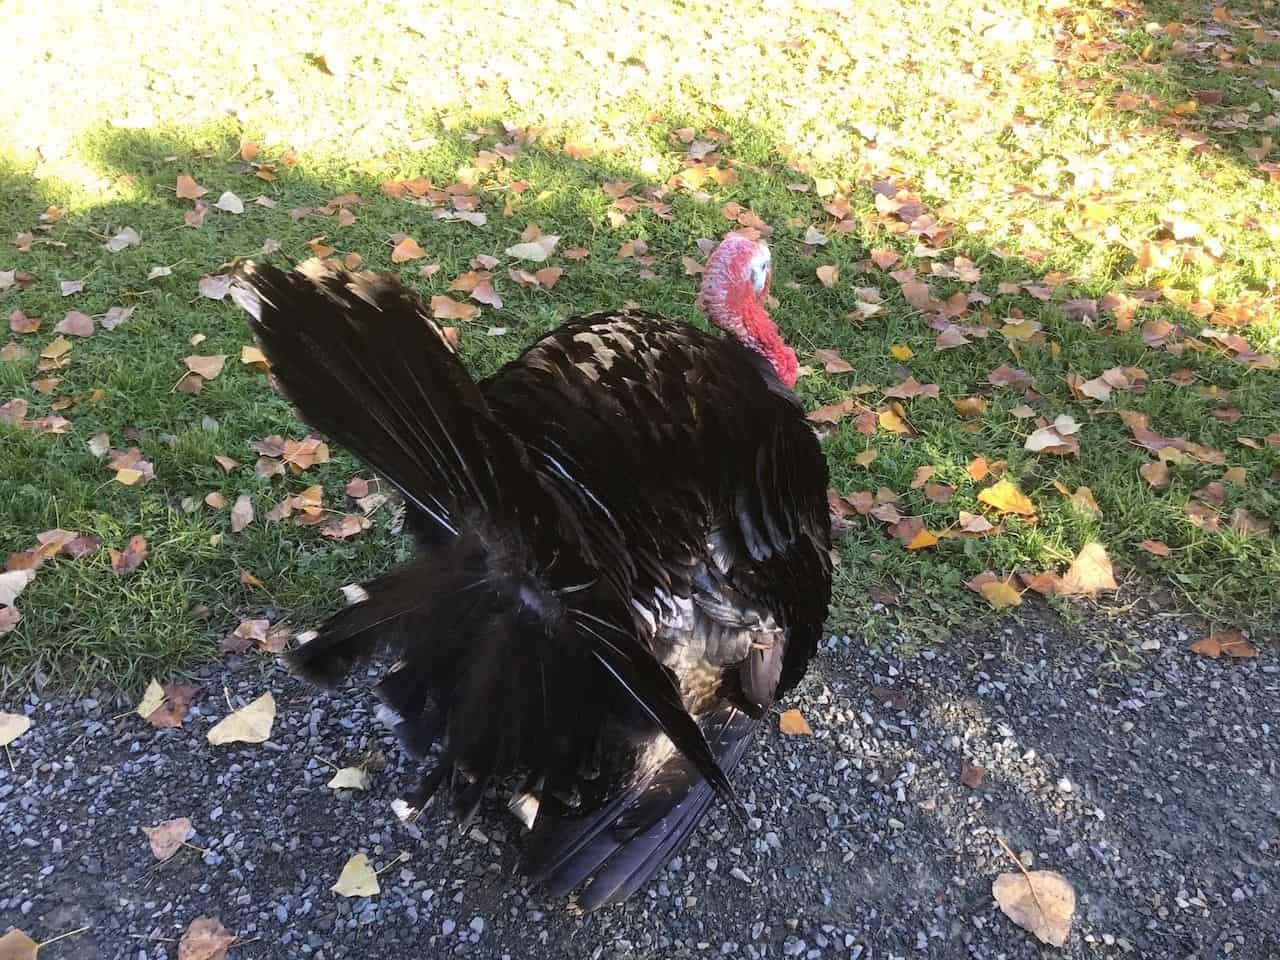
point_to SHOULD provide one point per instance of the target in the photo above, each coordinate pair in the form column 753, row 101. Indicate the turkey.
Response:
column 623, row 552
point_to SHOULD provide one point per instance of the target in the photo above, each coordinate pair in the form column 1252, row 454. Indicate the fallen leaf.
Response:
column 1041, row 901
column 971, row 408
column 168, row 837
column 12, row 726
column 170, row 713
column 939, row 492
column 446, row 308
column 536, row 250
column 1005, row 497
column 350, row 778
column 1155, row 473
column 69, row 287
column 56, row 348
column 890, row 420
column 357, row 879
column 126, row 561
column 407, row 249
column 16, row 945
column 866, row 457
column 910, row 388
column 1090, row 572
column 9, row 619
column 205, row 367
column 152, row 699
column 13, row 583
column 247, row 633
column 1000, row 594
column 205, row 939
column 900, row 351
column 884, row 259
column 230, row 203
column 251, row 724
column 122, row 239
column 187, row 189
column 1156, row 547
column 241, row 513
column 922, row 540
column 828, row 275
column 214, row 287
column 1230, row 643
column 971, row 776
column 793, row 724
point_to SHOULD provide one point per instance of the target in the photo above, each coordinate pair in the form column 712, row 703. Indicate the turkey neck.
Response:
column 740, row 314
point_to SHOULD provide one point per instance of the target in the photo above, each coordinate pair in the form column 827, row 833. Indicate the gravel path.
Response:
column 1155, row 790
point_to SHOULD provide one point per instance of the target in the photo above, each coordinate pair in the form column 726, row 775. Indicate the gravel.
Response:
column 1154, row 789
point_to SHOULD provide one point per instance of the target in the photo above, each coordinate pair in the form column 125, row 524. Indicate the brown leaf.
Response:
column 1040, row 901
column 793, row 723
column 215, row 287
column 1155, row 473
column 971, row 776
column 205, row 939
column 170, row 713
column 187, row 189
column 884, row 259
column 910, row 388
column 168, row 837
column 828, row 275
column 446, row 308
column 125, row 562
column 248, row 633
column 241, row 513
column 19, row 322
column 1229, row 643
column 1156, row 547
column 832, row 412
column 1090, row 572
column 16, row 945
column 407, row 249
column 971, row 408
column 938, row 492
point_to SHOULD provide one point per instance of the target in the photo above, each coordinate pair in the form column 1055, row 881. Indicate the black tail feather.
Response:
column 510, row 671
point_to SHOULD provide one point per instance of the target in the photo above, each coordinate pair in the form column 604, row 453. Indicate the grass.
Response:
column 1054, row 147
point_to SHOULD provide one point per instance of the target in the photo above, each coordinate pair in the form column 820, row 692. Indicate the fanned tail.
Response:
column 511, row 671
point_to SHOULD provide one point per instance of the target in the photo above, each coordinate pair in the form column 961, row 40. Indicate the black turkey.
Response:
column 623, row 561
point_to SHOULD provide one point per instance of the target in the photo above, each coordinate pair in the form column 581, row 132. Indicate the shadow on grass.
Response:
column 83, row 623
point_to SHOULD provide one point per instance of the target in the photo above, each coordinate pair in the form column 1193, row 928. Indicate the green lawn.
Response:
column 1069, row 189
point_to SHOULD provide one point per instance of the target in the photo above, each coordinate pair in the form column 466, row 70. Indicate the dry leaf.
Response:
column 166, row 838
column 1000, row 594
column 1155, row 473
column 152, row 699
column 1230, row 643
column 187, row 189
column 536, row 250
column 241, row 513
column 1005, row 497
column 1156, row 547
column 828, row 275
column 126, row 561
column 12, row 583
column 16, row 945
column 357, row 879
column 1090, row 572
column 793, row 723
column 251, row 724
column 170, row 713
column 214, row 287
column 12, row 726
column 971, row 776
column 205, row 939
column 446, row 308
column 206, row 368
column 407, row 249
column 922, row 540
column 350, row 778
column 1040, row 901
column 230, row 203
column 75, row 324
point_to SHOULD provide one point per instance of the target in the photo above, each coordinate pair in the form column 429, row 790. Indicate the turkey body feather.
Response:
column 623, row 559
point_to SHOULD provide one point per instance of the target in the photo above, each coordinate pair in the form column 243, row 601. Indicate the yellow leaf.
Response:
column 793, row 723
column 901, row 352
column 1000, row 595
column 253, row 357
column 1237, row 475
column 57, row 347
column 128, row 476
column 1083, row 501
column 866, row 457
column 922, row 540
column 251, row 724
column 357, row 879
column 1041, row 901
column 1007, row 498
column 889, row 420
column 152, row 700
